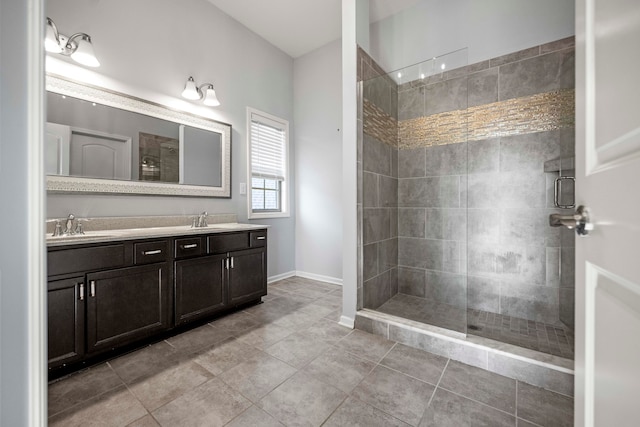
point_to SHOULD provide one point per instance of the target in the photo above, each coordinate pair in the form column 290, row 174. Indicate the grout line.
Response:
column 438, row 383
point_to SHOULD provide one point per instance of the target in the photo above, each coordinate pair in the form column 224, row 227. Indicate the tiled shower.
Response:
column 457, row 171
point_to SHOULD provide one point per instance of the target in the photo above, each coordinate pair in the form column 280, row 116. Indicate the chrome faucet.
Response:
column 202, row 219
column 69, row 229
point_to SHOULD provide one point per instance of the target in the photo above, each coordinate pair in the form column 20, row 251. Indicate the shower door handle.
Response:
column 579, row 221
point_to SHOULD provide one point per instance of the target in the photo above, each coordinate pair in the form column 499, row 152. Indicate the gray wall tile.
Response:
column 388, row 192
column 413, row 163
column 393, row 279
column 434, row 224
column 394, row 162
column 483, row 87
column 567, row 306
column 540, row 74
column 446, row 287
column 483, row 190
column 411, row 281
column 420, row 253
column 567, row 267
column 377, row 291
column 450, row 191
column 558, row 45
column 553, row 267
column 370, row 190
column 393, row 220
column 451, row 259
column 419, row 192
column 483, row 225
column 376, row 225
column 376, row 156
column 484, row 156
column 411, row 222
column 454, row 224
column 529, row 151
column 450, row 159
column 370, row 261
column 515, row 56
column 387, row 255
column 446, row 96
column 411, row 103
column 517, row 264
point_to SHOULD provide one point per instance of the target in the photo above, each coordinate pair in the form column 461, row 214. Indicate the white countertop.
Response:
column 101, row 236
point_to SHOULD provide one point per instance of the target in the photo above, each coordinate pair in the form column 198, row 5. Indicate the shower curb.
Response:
column 532, row 367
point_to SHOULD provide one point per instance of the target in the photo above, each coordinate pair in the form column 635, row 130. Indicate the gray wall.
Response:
column 141, row 54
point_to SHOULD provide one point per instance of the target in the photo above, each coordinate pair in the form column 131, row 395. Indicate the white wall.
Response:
column 489, row 28
column 318, row 159
column 22, row 291
column 148, row 48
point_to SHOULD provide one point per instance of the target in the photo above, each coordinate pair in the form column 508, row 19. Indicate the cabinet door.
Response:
column 200, row 287
column 65, row 305
column 247, row 275
column 125, row 305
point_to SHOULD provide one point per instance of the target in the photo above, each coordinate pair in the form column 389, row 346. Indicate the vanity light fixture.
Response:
column 78, row 46
column 205, row 92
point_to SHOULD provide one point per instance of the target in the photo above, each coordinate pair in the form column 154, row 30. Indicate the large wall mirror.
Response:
column 99, row 141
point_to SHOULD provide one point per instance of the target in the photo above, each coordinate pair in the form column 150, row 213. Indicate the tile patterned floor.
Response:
column 552, row 339
column 288, row 363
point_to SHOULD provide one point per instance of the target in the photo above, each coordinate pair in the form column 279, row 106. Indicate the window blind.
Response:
column 268, row 145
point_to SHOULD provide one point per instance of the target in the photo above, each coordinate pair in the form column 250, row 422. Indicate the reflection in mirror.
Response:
column 100, row 139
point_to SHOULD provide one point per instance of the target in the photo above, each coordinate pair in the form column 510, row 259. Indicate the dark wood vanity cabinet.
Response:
column 200, row 287
column 126, row 305
column 65, row 315
column 105, row 296
column 103, row 307
column 228, row 275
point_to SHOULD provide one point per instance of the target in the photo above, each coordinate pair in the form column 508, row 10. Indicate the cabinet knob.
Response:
column 92, row 288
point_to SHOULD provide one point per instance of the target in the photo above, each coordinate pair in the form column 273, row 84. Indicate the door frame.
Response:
column 23, row 365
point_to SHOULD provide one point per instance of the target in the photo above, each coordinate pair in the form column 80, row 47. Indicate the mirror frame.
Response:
column 73, row 184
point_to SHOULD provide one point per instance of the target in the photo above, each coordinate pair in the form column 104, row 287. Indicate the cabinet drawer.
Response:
column 258, row 238
column 77, row 260
column 188, row 247
column 221, row 243
column 150, row 252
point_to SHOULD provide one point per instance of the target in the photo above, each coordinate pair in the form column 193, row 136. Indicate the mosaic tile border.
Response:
column 379, row 124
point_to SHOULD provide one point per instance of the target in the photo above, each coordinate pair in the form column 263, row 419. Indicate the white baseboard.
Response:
column 281, row 276
column 347, row 321
column 319, row 277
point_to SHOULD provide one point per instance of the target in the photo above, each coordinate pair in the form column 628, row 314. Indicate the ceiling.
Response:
column 299, row 26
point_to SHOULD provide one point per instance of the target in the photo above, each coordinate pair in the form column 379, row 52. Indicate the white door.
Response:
column 95, row 154
column 608, row 183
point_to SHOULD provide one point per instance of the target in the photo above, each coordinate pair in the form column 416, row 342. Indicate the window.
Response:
column 268, row 165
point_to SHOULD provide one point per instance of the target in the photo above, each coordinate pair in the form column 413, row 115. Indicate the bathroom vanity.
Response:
column 113, row 289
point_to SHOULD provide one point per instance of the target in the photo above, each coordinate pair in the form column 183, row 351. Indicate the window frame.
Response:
column 284, row 211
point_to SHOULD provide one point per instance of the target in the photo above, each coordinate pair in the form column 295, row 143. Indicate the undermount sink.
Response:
column 77, row 237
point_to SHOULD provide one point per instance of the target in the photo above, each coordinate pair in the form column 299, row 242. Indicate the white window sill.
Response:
column 260, row 215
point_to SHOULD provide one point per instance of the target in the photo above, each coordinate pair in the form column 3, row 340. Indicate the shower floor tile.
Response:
column 551, row 339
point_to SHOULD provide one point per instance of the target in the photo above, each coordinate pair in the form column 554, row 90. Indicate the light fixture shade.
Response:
column 84, row 52
column 51, row 41
column 210, row 97
column 191, row 90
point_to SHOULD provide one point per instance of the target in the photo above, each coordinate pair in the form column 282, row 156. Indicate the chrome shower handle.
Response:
column 579, row 221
